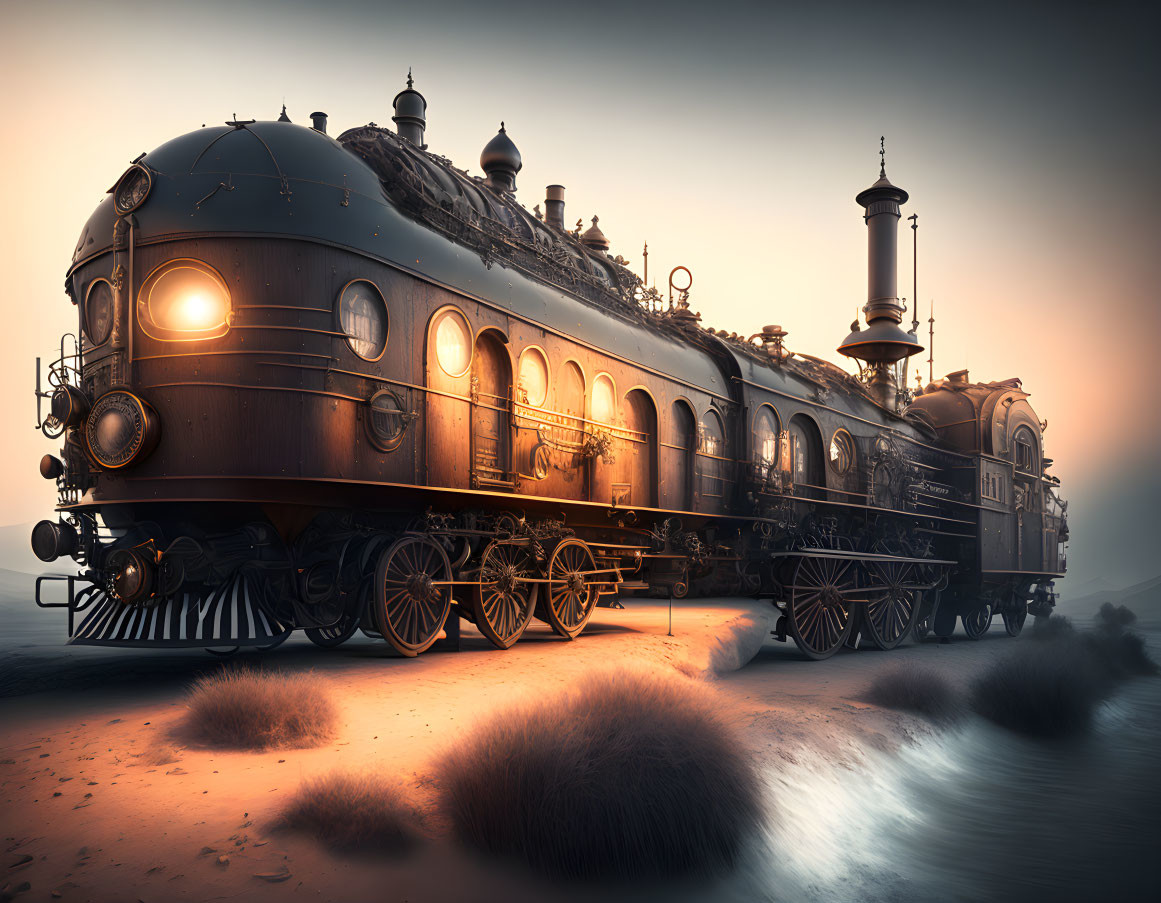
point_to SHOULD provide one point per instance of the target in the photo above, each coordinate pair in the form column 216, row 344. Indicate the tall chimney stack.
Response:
column 410, row 114
column 554, row 206
column 882, row 343
column 318, row 122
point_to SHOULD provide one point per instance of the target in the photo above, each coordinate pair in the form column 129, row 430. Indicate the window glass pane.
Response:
column 363, row 317
column 532, row 387
column 604, row 399
column 453, row 343
column 765, row 438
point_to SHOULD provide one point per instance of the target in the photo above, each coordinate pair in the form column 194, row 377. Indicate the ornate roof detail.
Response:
column 594, row 238
column 492, row 223
column 500, row 161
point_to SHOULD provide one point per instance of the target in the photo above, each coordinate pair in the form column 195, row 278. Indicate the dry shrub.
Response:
column 625, row 776
column 354, row 813
column 243, row 708
column 1115, row 617
column 1048, row 690
column 914, row 688
column 1053, row 687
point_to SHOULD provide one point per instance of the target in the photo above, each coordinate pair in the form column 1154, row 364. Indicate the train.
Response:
column 341, row 384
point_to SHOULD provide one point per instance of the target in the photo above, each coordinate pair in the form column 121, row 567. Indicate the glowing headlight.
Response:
column 184, row 300
column 121, row 429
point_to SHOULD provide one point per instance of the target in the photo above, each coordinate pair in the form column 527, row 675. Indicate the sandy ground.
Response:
column 102, row 803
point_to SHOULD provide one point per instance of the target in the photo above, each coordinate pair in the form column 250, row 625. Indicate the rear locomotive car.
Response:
column 341, row 384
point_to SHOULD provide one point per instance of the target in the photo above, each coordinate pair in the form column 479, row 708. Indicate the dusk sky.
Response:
column 732, row 137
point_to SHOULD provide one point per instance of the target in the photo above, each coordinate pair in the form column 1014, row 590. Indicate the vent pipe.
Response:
column 554, row 206
column 410, row 114
column 318, row 122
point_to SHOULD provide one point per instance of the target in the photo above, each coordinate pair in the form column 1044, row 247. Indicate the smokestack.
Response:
column 554, row 206
column 318, row 122
column 410, row 114
column 882, row 343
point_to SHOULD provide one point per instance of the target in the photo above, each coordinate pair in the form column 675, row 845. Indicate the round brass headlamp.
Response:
column 121, row 429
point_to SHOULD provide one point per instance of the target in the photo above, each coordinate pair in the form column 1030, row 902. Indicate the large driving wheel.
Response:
column 504, row 601
column 977, row 621
column 571, row 593
column 819, row 612
column 412, row 594
column 893, row 603
column 1014, row 619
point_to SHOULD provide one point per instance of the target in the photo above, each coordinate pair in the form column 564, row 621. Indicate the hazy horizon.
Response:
column 732, row 139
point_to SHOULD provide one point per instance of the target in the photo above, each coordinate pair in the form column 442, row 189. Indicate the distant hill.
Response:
column 1143, row 598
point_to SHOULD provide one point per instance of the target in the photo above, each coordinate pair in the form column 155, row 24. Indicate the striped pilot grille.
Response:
column 231, row 614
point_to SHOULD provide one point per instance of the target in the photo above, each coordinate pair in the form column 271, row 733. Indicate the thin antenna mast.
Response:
column 931, row 344
column 914, row 218
column 645, row 257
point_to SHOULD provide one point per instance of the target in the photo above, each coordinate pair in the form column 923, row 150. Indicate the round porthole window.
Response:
column 386, row 420
column 453, row 342
column 842, row 452
column 363, row 317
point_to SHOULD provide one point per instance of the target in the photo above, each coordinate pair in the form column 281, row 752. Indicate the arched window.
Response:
column 712, row 451
column 570, row 401
column 680, row 442
column 806, row 455
column 453, row 342
column 1024, row 454
column 532, row 382
column 765, row 439
column 604, row 399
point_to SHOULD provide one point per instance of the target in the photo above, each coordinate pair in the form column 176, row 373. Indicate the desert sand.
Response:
column 103, row 801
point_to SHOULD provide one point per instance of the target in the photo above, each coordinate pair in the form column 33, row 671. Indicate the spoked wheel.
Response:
column 818, row 612
column 977, row 621
column 571, row 593
column 412, row 594
column 504, row 602
column 1014, row 620
column 890, row 615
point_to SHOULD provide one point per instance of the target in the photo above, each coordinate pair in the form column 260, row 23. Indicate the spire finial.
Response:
column 882, row 157
column 409, row 80
column 501, row 125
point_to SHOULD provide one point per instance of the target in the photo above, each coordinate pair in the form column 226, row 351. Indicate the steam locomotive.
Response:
column 343, row 384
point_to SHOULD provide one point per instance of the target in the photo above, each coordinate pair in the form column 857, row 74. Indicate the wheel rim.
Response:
column 820, row 615
column 504, row 602
column 571, row 595
column 977, row 622
column 890, row 616
column 412, row 594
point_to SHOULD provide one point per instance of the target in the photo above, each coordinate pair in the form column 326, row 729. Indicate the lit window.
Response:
column 184, row 300
column 363, row 317
column 453, row 343
column 532, row 387
column 765, row 437
column 604, row 399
